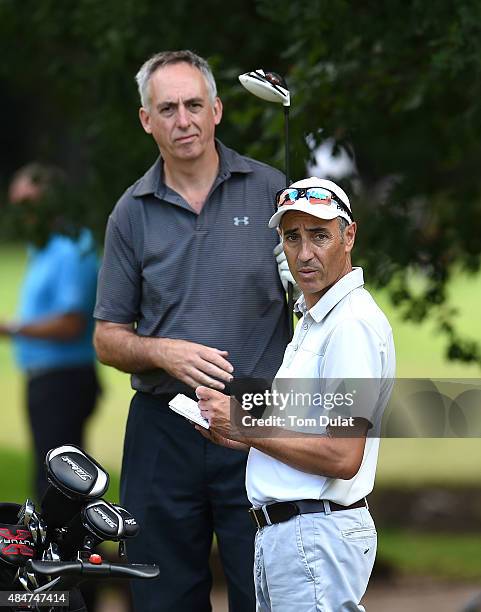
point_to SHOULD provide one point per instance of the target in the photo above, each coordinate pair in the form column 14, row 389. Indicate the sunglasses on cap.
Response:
column 314, row 195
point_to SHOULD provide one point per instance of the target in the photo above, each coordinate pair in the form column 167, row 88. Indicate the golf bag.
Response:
column 44, row 555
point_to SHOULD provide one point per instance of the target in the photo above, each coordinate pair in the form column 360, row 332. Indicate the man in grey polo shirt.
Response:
column 316, row 540
column 189, row 294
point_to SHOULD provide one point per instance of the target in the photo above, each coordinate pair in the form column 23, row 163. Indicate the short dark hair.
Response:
column 43, row 175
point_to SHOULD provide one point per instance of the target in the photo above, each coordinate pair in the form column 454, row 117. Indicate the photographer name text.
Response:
column 296, row 421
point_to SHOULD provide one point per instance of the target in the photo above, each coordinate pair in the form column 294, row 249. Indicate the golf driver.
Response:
column 272, row 87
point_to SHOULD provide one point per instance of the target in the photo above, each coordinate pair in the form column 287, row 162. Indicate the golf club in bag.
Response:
column 45, row 556
column 271, row 87
column 74, row 479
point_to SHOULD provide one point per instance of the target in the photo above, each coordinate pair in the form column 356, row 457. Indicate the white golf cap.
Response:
column 332, row 201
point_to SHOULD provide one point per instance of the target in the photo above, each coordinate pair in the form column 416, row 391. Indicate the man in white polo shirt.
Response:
column 316, row 540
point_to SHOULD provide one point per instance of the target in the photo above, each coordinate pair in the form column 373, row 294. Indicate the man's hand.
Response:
column 220, row 440
column 62, row 328
column 197, row 364
column 5, row 329
column 118, row 345
column 215, row 407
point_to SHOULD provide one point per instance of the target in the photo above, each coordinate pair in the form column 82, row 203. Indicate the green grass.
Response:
column 453, row 556
column 420, row 349
column 15, row 470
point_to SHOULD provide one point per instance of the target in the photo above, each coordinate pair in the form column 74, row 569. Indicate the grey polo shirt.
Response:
column 209, row 278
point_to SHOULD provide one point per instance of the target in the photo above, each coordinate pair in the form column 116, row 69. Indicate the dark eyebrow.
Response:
column 165, row 103
column 317, row 229
column 175, row 103
column 311, row 230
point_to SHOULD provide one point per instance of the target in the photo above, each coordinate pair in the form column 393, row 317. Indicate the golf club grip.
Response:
column 83, row 569
column 290, row 308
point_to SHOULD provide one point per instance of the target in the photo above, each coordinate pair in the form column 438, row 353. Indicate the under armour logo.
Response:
column 241, row 220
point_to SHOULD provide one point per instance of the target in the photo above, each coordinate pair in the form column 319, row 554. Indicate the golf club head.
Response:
column 131, row 527
column 268, row 86
column 26, row 512
column 96, row 522
column 75, row 479
column 103, row 520
column 76, row 474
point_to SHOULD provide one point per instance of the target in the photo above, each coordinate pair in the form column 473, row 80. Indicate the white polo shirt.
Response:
column 345, row 335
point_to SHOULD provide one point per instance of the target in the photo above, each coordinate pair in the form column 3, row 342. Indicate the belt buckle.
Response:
column 253, row 513
column 266, row 514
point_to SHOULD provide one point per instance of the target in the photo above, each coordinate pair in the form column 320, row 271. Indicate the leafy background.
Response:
column 395, row 83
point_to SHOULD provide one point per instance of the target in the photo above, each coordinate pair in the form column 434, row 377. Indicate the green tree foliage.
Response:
column 397, row 83
column 68, row 68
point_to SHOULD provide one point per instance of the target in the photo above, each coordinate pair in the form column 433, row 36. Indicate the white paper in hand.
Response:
column 189, row 409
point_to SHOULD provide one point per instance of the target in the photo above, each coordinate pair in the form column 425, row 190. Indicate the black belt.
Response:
column 283, row 511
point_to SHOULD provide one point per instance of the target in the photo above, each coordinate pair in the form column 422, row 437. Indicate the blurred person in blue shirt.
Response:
column 52, row 334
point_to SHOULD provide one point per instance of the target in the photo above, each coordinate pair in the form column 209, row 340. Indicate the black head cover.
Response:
column 103, row 520
column 131, row 527
column 75, row 479
column 75, row 474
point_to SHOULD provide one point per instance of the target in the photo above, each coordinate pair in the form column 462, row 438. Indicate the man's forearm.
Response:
column 322, row 455
column 63, row 328
column 193, row 364
column 338, row 454
column 123, row 349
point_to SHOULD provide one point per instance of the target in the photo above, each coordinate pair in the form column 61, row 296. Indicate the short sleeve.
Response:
column 118, row 291
column 353, row 367
column 353, row 351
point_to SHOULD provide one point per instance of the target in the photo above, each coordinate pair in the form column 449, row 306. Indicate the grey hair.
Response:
column 164, row 58
column 343, row 223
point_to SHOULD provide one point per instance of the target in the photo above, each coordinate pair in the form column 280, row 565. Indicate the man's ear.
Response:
column 144, row 116
column 281, row 236
column 218, row 109
column 350, row 236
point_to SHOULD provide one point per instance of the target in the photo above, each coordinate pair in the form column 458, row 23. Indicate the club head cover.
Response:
column 75, row 478
column 16, row 544
column 131, row 527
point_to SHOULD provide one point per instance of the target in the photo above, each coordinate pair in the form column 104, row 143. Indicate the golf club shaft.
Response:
column 290, row 289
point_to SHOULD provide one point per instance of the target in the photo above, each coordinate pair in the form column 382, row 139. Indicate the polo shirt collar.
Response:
column 333, row 296
column 153, row 182
column 230, row 160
